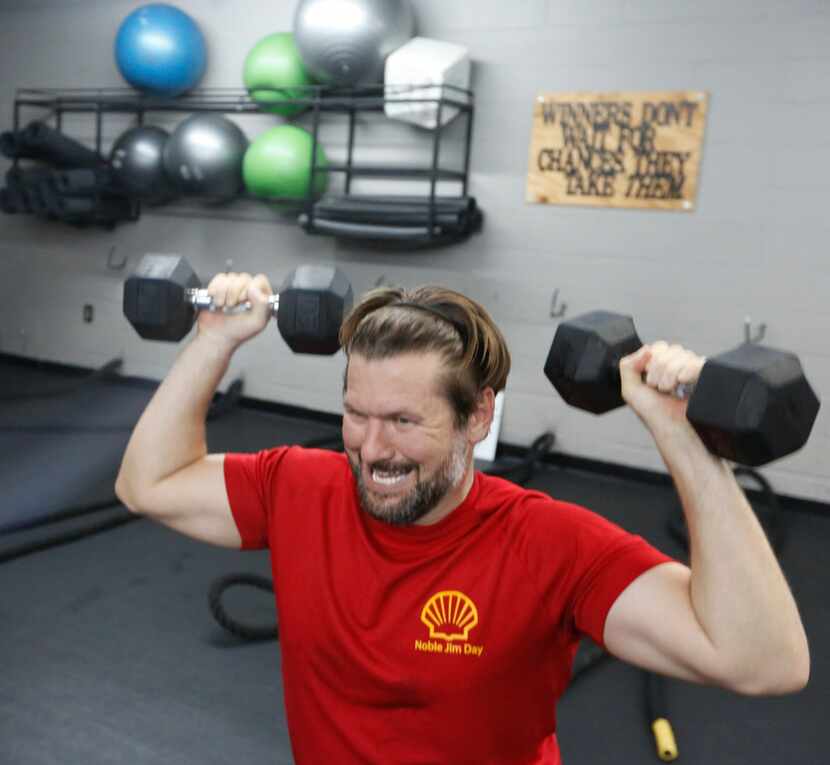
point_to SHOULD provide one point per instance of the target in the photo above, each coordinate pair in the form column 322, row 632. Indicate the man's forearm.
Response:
column 738, row 591
column 171, row 432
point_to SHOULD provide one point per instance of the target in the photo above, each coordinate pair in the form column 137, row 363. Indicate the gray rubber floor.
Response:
column 109, row 653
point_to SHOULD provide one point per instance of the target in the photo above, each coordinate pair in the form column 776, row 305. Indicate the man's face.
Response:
column 410, row 462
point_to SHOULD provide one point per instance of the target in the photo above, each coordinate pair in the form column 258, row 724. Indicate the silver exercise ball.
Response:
column 345, row 42
column 204, row 155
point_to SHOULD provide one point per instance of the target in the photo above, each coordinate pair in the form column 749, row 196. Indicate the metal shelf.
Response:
column 393, row 171
column 316, row 102
column 235, row 100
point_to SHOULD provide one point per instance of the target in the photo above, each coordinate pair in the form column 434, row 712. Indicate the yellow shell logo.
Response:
column 450, row 615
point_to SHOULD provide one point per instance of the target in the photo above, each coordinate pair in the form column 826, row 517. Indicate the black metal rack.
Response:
column 316, row 102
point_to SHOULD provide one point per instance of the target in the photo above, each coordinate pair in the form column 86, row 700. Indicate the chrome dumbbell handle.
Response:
column 683, row 391
column 202, row 300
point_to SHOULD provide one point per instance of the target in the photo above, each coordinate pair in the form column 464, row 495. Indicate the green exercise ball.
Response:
column 275, row 72
column 277, row 165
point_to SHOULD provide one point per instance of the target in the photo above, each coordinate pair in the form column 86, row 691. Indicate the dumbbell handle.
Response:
column 683, row 391
column 201, row 299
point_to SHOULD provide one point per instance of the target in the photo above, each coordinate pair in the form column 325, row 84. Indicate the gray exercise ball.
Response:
column 346, row 42
column 203, row 157
column 137, row 164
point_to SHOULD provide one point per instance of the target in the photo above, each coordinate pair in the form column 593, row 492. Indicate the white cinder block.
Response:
column 431, row 64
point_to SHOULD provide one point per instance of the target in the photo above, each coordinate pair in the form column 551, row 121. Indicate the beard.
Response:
column 424, row 496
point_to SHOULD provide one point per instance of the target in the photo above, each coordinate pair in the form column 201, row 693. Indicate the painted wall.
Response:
column 753, row 247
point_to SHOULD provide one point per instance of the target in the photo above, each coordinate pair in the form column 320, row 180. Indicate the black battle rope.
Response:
column 526, row 468
column 221, row 405
column 235, row 627
column 657, row 716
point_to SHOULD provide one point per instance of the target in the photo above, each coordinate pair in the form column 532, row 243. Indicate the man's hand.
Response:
column 649, row 378
column 229, row 290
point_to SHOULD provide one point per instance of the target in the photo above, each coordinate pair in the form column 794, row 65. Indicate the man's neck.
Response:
column 451, row 500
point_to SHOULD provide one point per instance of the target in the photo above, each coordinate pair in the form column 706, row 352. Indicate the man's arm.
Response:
column 730, row 619
column 167, row 473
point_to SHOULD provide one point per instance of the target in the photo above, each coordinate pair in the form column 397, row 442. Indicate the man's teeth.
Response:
column 388, row 479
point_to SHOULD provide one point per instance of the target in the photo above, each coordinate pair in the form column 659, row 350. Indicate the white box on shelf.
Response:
column 427, row 65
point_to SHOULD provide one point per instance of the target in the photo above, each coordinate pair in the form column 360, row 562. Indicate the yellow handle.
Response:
column 664, row 738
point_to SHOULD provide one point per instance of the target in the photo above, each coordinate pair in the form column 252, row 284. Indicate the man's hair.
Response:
column 389, row 321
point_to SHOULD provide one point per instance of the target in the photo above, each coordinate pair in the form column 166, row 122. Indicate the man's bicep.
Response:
column 194, row 501
column 652, row 625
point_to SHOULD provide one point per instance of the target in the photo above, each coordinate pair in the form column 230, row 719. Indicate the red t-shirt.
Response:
column 445, row 644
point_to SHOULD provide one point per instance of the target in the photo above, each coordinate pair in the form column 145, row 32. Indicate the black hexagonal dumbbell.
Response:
column 750, row 405
column 163, row 294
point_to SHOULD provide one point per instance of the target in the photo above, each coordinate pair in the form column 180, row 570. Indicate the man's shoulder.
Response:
column 311, row 467
column 499, row 492
column 531, row 509
column 315, row 459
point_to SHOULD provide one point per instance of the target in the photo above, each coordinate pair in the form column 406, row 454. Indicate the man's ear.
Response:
column 478, row 426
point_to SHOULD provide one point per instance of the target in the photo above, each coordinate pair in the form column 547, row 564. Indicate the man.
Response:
column 429, row 613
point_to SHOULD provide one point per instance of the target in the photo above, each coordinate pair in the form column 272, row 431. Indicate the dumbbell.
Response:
column 750, row 405
column 162, row 296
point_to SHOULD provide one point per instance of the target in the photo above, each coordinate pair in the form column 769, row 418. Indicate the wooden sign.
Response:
column 617, row 149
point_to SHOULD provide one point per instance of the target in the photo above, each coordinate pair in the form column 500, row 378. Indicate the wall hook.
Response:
column 555, row 312
column 112, row 265
column 758, row 336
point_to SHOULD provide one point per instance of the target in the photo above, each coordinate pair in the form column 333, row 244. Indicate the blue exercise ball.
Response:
column 159, row 49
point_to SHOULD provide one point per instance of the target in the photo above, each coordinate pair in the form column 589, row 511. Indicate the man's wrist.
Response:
column 681, row 446
column 218, row 346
